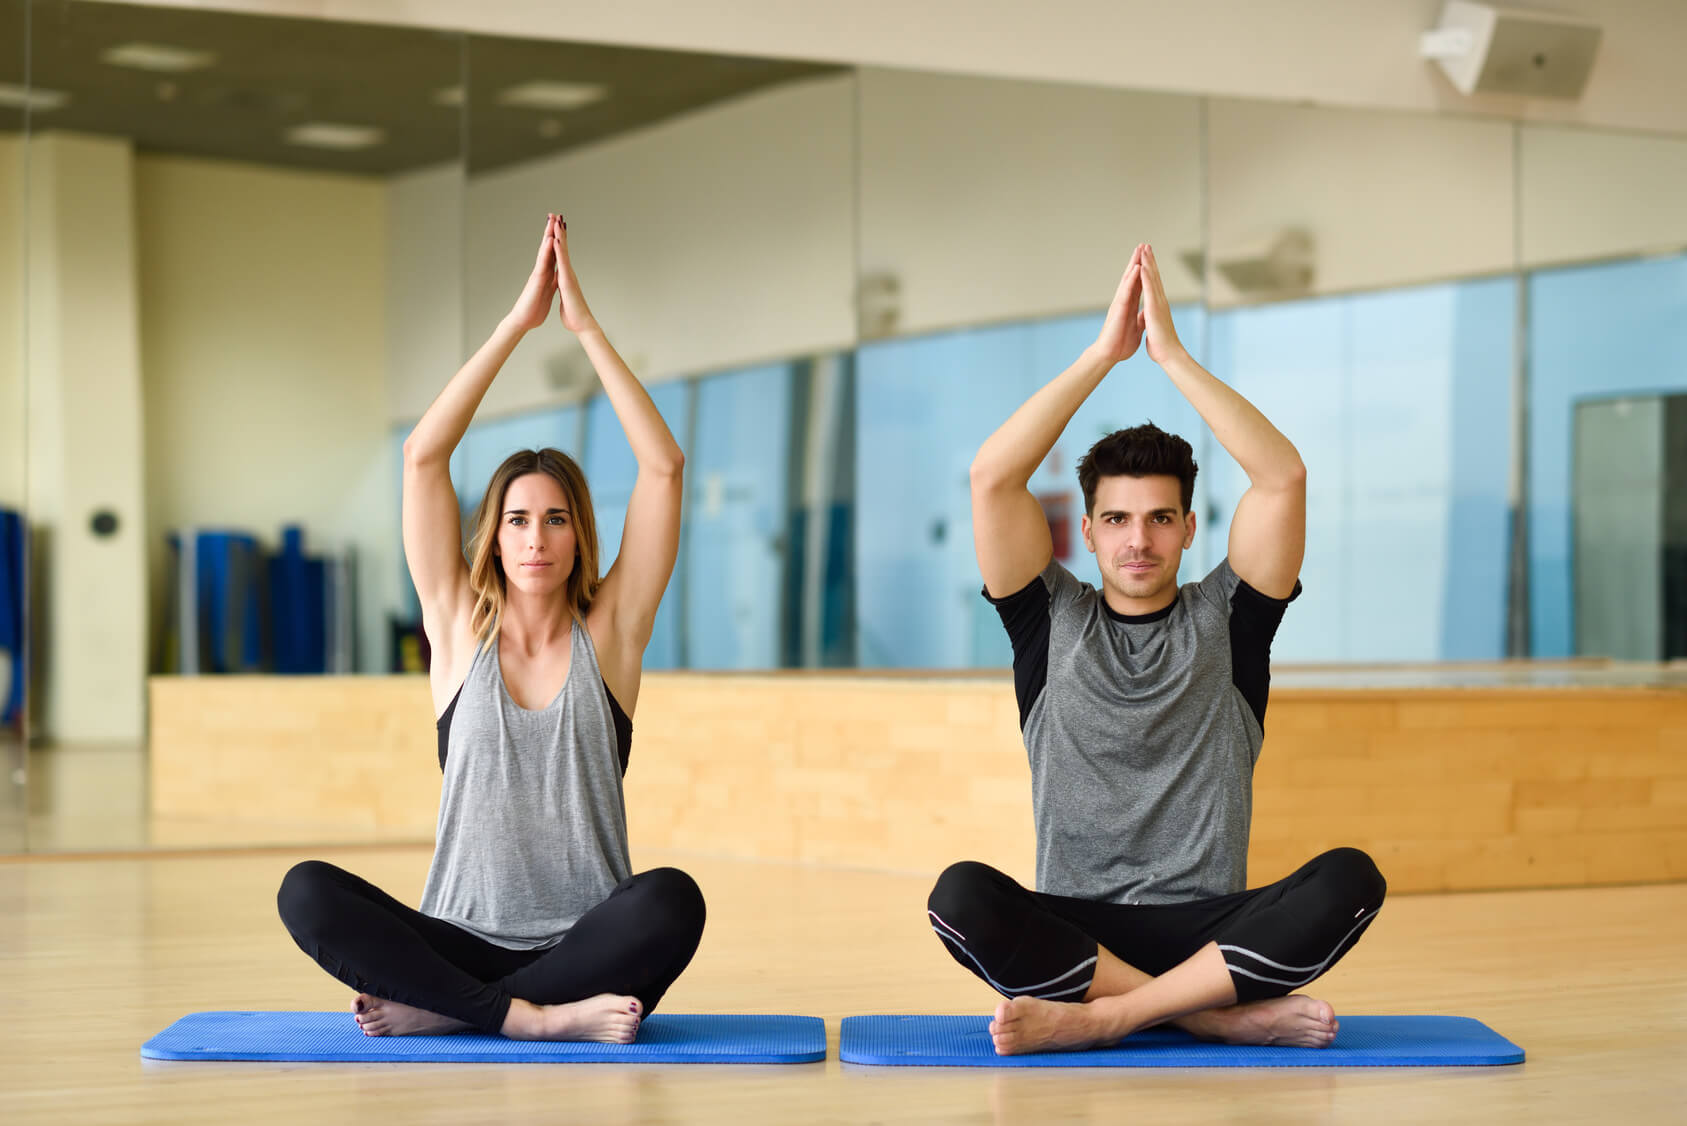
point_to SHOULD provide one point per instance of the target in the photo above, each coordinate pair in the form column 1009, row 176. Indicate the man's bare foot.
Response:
column 606, row 1018
column 1029, row 1024
column 378, row 1017
column 1295, row 1021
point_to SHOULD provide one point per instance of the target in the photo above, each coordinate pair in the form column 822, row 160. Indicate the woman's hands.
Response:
column 534, row 304
column 576, row 317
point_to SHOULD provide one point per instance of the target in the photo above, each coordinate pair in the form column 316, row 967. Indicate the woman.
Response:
column 532, row 923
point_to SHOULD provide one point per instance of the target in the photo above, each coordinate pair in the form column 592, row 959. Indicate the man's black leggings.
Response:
column 1275, row 939
column 634, row 943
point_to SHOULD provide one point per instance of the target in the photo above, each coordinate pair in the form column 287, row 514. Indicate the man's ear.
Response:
column 1088, row 542
column 1188, row 529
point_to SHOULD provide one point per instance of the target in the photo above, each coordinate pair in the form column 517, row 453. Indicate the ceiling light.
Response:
column 329, row 135
column 31, row 98
column 448, row 96
column 552, row 95
column 158, row 57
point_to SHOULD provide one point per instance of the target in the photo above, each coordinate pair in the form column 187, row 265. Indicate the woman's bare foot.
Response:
column 1295, row 1021
column 1029, row 1024
column 606, row 1018
column 378, row 1017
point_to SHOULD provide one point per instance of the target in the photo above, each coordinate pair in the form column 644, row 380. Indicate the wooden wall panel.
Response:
column 1446, row 788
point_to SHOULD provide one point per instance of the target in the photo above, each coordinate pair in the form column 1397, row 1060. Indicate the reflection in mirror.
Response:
column 216, row 275
column 710, row 209
column 997, row 218
column 1603, row 234
column 14, row 118
column 1361, row 296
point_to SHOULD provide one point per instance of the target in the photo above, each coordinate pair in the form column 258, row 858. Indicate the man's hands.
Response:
column 1154, row 322
column 1121, row 333
column 1139, row 312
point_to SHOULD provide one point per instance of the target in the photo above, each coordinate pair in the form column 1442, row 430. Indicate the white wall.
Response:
column 1588, row 194
column 84, row 373
column 264, row 322
column 1337, row 52
column 714, row 240
column 718, row 239
column 1389, row 198
column 990, row 200
column 424, row 271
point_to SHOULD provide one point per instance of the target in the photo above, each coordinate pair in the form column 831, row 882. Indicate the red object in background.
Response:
column 1057, row 510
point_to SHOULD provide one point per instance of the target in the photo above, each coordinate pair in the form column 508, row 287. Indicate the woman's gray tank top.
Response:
column 532, row 824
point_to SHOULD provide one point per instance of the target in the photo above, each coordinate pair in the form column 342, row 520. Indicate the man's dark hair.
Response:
column 1140, row 451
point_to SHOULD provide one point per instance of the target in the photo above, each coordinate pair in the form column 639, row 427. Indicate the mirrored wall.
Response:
column 240, row 255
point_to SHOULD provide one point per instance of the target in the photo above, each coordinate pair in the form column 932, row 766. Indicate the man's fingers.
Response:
column 1153, row 289
column 1130, row 284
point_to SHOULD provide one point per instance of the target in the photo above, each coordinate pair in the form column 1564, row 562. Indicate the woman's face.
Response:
column 536, row 535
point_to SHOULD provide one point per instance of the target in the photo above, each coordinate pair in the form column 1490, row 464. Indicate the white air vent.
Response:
column 1489, row 50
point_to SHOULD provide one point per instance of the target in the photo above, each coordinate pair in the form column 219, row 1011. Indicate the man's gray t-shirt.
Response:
column 1143, row 731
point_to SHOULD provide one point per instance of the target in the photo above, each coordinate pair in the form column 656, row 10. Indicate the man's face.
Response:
column 1138, row 531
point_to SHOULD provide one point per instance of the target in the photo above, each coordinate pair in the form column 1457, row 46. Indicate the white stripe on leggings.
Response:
column 1311, row 971
column 998, row 986
column 938, row 919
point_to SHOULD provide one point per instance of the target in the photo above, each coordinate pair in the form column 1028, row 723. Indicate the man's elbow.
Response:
column 1286, row 478
column 986, row 477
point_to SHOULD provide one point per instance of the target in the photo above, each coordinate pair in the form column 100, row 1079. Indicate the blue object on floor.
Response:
column 1387, row 1041
column 14, row 553
column 335, row 1037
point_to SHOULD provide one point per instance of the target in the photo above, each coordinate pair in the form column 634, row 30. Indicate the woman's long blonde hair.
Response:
column 486, row 569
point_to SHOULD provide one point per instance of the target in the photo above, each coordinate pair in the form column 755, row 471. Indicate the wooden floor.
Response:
column 98, row 954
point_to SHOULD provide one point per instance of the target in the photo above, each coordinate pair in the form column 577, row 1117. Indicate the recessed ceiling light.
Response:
column 31, row 98
column 159, row 57
column 448, row 96
column 329, row 135
column 552, row 95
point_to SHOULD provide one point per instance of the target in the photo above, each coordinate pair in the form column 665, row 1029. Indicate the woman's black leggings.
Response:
column 1274, row 938
column 635, row 943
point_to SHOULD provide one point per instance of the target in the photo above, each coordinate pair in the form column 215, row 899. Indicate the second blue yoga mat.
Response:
column 1363, row 1041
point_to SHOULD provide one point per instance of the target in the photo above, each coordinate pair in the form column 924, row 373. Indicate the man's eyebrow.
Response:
column 1170, row 511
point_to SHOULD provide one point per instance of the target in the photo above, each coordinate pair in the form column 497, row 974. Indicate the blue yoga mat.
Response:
column 335, row 1037
column 964, row 1041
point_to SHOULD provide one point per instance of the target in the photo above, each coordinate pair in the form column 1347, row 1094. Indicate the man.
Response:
column 1143, row 707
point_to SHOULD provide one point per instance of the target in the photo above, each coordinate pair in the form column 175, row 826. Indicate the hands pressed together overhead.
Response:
column 1139, row 313
column 553, row 276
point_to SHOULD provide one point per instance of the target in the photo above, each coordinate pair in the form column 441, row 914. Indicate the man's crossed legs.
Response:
column 1079, row 973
